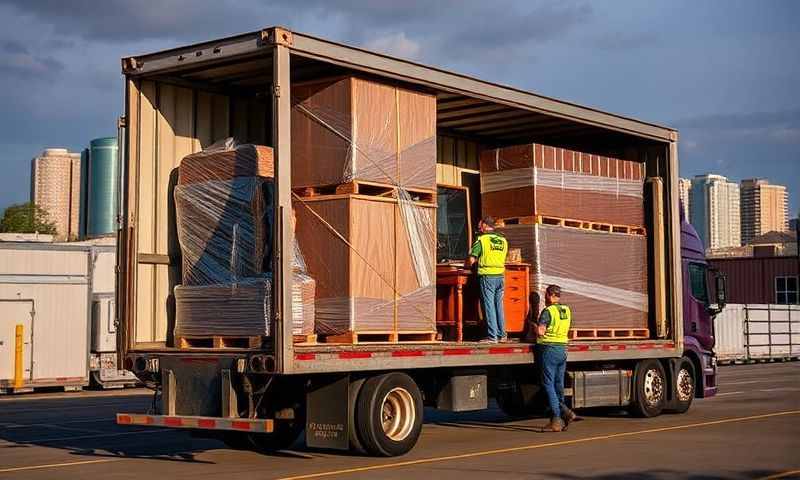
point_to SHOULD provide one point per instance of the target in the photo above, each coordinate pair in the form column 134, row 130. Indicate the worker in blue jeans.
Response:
column 490, row 250
column 551, row 350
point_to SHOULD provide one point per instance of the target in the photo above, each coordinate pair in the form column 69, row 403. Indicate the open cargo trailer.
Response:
column 182, row 100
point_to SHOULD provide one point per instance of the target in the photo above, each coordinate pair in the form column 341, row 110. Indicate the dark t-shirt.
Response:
column 544, row 318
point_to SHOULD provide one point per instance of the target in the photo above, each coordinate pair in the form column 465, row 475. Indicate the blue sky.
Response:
column 725, row 73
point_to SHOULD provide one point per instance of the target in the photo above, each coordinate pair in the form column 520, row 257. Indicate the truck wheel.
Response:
column 389, row 414
column 356, row 446
column 684, row 386
column 649, row 389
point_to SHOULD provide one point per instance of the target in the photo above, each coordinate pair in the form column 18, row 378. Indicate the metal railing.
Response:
column 771, row 331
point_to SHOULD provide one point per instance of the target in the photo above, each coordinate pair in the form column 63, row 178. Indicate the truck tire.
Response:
column 356, row 446
column 389, row 414
column 683, row 386
column 649, row 389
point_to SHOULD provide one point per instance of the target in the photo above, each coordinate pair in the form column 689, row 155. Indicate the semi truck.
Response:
column 369, row 397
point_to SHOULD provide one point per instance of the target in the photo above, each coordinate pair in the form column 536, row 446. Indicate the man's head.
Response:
column 486, row 224
column 552, row 295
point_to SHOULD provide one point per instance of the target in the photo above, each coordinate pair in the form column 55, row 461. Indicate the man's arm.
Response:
column 543, row 323
column 474, row 253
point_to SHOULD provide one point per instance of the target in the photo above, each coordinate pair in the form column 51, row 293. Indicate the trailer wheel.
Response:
column 356, row 446
column 649, row 389
column 389, row 414
column 684, row 386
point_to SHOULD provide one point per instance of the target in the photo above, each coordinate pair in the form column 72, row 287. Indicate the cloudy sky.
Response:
column 725, row 73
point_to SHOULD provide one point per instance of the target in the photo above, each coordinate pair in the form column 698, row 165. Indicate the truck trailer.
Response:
column 369, row 397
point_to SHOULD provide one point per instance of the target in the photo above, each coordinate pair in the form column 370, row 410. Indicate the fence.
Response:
column 754, row 332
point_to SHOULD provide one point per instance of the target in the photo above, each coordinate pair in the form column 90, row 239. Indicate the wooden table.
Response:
column 458, row 298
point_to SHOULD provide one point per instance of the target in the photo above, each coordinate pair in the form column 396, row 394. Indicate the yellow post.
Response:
column 18, row 367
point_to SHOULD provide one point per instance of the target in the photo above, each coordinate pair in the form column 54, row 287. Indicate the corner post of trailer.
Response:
column 675, row 248
column 280, row 40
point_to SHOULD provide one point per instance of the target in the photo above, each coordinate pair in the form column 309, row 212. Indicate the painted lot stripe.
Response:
column 57, row 465
column 727, row 393
column 537, row 446
column 791, row 473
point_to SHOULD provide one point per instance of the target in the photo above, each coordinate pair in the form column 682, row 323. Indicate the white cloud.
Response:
column 396, row 44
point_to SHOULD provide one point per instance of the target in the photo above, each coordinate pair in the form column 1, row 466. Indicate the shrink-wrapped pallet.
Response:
column 240, row 309
column 226, row 160
column 535, row 179
column 373, row 260
column 603, row 276
column 349, row 128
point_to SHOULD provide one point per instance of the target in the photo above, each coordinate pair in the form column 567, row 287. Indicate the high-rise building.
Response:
column 715, row 211
column 685, row 185
column 764, row 208
column 55, row 186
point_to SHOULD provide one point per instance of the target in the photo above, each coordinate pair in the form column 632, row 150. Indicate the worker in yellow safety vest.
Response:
column 551, row 352
column 490, row 250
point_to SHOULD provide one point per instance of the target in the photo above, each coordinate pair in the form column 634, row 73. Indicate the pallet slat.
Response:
column 606, row 333
column 360, row 187
column 572, row 223
column 379, row 337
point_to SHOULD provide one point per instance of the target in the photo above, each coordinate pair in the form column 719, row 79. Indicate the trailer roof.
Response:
column 465, row 102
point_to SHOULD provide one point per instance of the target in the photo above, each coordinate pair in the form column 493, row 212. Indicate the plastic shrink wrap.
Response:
column 373, row 257
column 224, row 225
column 535, row 179
column 603, row 276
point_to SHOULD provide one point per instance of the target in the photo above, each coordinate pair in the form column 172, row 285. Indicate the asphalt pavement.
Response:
column 750, row 430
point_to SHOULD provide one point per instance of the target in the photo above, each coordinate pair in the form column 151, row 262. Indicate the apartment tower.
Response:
column 55, row 186
column 764, row 208
column 715, row 211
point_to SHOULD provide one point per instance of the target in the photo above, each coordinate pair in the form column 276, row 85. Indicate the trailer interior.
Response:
column 181, row 101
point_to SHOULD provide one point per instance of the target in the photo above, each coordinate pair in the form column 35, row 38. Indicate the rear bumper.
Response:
column 202, row 423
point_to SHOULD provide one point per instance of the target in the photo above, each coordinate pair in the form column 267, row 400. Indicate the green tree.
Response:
column 26, row 218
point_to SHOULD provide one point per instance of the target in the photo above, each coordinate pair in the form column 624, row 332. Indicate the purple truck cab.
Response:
column 698, row 310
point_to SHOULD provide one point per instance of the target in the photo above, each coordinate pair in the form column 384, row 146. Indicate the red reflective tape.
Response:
column 669, row 345
column 613, row 347
column 305, row 356
column 647, row 346
column 124, row 419
column 173, row 422
column 457, row 351
column 578, row 348
column 500, row 350
column 355, row 355
column 408, row 353
column 240, row 425
column 206, row 423
column 148, row 420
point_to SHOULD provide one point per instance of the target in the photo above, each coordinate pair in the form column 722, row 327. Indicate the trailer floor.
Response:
column 750, row 430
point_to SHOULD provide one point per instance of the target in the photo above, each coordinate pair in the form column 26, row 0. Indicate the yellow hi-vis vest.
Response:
column 494, row 249
column 560, row 319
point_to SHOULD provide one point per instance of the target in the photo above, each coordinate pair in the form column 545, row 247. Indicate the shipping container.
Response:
column 180, row 101
column 756, row 280
column 753, row 332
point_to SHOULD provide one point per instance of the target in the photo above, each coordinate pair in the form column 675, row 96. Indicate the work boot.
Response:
column 567, row 416
column 555, row 425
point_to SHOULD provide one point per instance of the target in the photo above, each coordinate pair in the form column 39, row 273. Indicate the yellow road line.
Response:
column 536, row 446
column 781, row 475
column 56, row 465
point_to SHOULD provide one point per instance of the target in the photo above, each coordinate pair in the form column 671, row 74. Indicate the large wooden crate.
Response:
column 349, row 128
column 373, row 260
column 603, row 276
column 535, row 179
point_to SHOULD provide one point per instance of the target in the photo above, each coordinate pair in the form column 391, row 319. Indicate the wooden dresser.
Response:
column 458, row 300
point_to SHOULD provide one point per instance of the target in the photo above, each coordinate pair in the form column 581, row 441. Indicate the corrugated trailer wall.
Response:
column 166, row 123
column 46, row 291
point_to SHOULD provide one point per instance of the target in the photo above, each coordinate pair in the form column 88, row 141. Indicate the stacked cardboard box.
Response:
column 224, row 225
column 603, row 275
column 535, row 179
column 373, row 257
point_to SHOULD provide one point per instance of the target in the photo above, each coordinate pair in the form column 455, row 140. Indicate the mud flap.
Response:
column 327, row 423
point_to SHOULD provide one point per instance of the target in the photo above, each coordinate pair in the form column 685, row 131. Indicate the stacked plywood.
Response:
column 603, row 276
column 535, row 179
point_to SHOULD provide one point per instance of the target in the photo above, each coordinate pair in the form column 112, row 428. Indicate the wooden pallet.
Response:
column 372, row 189
column 220, row 342
column 572, row 223
column 312, row 338
column 380, row 337
column 606, row 333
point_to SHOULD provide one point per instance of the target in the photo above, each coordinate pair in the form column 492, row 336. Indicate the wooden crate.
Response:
column 357, row 249
column 349, row 128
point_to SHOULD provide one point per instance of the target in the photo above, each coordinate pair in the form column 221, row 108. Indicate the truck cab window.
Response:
column 697, row 280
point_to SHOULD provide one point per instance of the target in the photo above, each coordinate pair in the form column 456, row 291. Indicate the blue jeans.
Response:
column 553, row 367
column 492, row 289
